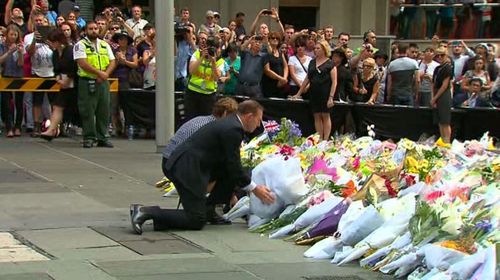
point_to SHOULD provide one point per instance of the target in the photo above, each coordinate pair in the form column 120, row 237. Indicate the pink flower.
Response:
column 320, row 166
column 355, row 163
column 434, row 195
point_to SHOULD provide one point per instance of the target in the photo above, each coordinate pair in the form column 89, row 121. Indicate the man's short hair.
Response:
column 328, row 26
column 224, row 105
column 413, row 45
column 100, row 17
column 89, row 23
column 240, row 14
column 402, row 48
column 344, row 34
column 289, row 26
column 249, row 106
column 184, row 9
column 476, row 79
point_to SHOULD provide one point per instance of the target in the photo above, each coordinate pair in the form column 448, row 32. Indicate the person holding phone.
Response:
column 12, row 60
column 206, row 68
column 41, row 65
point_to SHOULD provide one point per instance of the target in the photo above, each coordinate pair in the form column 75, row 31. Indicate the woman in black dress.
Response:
column 441, row 94
column 366, row 83
column 65, row 69
column 276, row 70
column 322, row 77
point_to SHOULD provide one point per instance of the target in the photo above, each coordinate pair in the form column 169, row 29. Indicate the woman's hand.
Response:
column 329, row 103
column 433, row 102
column 363, row 91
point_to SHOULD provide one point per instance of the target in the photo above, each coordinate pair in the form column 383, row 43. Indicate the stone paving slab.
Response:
column 13, row 250
column 67, row 238
column 229, row 239
column 125, row 233
column 321, row 269
column 12, row 174
column 192, row 276
column 170, row 266
column 27, row 276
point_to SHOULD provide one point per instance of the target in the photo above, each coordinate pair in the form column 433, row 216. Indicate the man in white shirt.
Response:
column 96, row 62
column 136, row 23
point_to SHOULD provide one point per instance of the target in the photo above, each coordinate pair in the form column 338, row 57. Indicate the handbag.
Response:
column 135, row 78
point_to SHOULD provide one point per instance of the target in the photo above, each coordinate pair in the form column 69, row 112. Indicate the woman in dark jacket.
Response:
column 344, row 76
column 65, row 69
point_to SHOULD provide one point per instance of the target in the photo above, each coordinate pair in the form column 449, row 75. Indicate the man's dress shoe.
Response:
column 137, row 218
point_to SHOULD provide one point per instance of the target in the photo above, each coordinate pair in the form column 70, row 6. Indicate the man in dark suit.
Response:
column 212, row 151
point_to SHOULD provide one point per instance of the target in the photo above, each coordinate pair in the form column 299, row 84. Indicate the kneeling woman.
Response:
column 65, row 70
column 322, row 77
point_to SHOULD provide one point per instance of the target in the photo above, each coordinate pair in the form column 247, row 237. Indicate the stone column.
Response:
column 165, row 100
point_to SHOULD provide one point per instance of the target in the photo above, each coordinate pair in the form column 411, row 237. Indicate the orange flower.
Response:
column 349, row 189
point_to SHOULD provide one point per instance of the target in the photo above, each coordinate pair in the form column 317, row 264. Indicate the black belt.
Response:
column 86, row 78
column 248, row 84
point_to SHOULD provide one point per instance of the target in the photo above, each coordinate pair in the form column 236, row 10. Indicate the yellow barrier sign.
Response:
column 40, row 85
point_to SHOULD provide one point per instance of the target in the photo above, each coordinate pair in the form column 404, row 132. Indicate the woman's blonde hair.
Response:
column 325, row 46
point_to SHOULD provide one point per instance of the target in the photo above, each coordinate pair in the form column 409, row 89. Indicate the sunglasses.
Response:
column 273, row 38
column 115, row 28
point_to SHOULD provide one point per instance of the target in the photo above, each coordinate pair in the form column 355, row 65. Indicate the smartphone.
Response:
column 267, row 12
column 44, row 32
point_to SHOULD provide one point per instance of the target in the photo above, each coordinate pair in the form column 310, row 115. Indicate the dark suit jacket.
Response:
column 214, row 147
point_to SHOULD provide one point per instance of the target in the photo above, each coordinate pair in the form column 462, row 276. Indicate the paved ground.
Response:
column 64, row 215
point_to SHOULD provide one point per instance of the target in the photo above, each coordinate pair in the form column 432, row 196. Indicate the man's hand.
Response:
column 102, row 76
column 264, row 194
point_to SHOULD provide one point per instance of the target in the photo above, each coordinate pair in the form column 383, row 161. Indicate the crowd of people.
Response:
column 312, row 64
column 212, row 58
column 45, row 43
column 462, row 19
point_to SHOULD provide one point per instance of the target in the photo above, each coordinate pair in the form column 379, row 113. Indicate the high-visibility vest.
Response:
column 201, row 80
column 99, row 59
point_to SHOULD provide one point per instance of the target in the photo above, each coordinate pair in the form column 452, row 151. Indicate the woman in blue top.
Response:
column 12, row 60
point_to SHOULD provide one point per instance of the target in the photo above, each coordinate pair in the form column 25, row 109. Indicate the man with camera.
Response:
column 136, row 23
column 206, row 68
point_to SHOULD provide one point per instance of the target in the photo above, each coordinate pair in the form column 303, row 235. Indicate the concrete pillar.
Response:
column 165, row 101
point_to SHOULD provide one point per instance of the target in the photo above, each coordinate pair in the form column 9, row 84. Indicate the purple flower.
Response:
column 484, row 226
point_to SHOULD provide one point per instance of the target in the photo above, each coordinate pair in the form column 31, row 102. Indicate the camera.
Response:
column 211, row 46
column 181, row 28
column 115, row 13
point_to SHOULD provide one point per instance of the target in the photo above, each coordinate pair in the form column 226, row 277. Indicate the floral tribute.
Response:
column 411, row 209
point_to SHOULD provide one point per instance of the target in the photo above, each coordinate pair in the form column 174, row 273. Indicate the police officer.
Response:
column 96, row 62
